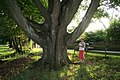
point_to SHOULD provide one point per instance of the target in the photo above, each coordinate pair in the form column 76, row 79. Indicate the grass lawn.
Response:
column 95, row 67
column 5, row 51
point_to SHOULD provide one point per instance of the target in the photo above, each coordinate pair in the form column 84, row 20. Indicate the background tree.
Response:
column 96, row 36
column 9, row 31
column 113, row 32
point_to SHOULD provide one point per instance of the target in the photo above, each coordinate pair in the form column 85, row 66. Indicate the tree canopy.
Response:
column 96, row 36
column 113, row 32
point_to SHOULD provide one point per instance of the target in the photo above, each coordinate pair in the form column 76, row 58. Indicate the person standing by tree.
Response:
column 81, row 50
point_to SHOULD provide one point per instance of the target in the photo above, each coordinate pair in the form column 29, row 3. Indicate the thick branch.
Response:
column 68, row 11
column 55, row 13
column 40, row 27
column 42, row 39
column 85, row 22
column 64, row 2
column 21, row 20
column 50, row 6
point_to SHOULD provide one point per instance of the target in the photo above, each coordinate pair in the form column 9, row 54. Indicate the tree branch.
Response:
column 85, row 22
column 68, row 11
column 50, row 6
column 38, row 32
column 40, row 27
column 22, row 22
column 55, row 13
column 64, row 2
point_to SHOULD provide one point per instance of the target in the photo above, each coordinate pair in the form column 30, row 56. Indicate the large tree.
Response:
column 52, row 34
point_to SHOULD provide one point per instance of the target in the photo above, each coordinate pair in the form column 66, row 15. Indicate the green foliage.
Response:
column 104, row 6
column 45, row 3
column 96, row 36
column 4, row 31
column 111, row 3
column 30, row 10
column 113, row 32
column 9, row 29
column 115, row 3
column 100, row 13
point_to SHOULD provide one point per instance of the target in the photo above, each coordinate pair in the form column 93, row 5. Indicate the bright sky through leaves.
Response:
column 96, row 24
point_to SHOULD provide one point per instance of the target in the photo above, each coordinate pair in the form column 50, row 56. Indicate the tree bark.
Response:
column 10, row 43
column 55, row 54
column 15, row 45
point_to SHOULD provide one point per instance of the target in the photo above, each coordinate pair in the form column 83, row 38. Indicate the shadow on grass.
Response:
column 71, row 72
column 99, row 68
column 5, row 50
column 3, row 47
column 83, row 74
column 37, row 73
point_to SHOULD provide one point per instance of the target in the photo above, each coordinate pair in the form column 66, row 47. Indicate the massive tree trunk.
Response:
column 52, row 35
column 55, row 57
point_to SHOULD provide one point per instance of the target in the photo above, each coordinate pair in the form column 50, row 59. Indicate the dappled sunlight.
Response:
column 95, row 67
column 36, row 57
column 92, row 68
column 82, row 73
column 37, row 50
column 5, row 50
column 5, row 53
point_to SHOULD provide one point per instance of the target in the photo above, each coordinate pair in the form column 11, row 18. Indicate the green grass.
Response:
column 4, row 51
column 7, row 53
column 96, row 67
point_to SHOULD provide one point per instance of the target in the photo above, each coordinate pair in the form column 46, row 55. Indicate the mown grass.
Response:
column 95, row 67
column 5, row 51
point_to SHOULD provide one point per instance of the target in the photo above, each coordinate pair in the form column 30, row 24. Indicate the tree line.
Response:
column 111, row 35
